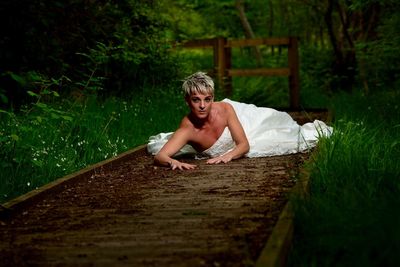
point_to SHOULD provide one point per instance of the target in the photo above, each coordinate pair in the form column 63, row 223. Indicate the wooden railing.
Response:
column 223, row 71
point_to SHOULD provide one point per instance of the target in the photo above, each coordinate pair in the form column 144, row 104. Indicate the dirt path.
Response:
column 139, row 215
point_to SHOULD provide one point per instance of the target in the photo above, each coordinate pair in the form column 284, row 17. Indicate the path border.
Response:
column 276, row 251
column 59, row 184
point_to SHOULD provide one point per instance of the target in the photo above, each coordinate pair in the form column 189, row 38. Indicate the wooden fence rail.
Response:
column 222, row 51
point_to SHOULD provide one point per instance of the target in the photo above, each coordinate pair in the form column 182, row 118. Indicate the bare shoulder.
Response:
column 186, row 127
column 224, row 107
column 186, row 123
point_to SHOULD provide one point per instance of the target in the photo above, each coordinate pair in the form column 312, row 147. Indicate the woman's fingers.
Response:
column 183, row 166
column 214, row 161
column 187, row 166
column 219, row 159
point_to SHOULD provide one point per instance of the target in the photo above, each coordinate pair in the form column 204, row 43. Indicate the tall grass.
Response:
column 50, row 139
column 351, row 215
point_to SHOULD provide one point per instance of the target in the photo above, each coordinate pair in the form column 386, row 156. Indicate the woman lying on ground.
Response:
column 202, row 127
column 227, row 130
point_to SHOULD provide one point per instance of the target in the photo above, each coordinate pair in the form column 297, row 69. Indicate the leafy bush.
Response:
column 378, row 59
column 117, row 47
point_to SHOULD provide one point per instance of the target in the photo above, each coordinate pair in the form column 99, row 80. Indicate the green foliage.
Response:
column 315, row 77
column 262, row 91
column 116, row 47
column 200, row 19
column 48, row 140
column 378, row 59
column 350, row 216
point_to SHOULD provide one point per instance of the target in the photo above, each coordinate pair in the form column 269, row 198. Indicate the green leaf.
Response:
column 67, row 118
column 54, row 81
column 34, row 76
column 25, row 129
column 14, row 137
column 32, row 94
column 19, row 79
column 395, row 143
column 55, row 116
column 42, row 105
column 6, row 112
column 45, row 92
column 3, row 97
column 38, row 163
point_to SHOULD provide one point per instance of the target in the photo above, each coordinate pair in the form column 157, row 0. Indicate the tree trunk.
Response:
column 345, row 27
column 344, row 65
column 331, row 31
column 248, row 30
column 368, row 21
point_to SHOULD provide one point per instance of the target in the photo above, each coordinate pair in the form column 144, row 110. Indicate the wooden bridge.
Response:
column 127, row 212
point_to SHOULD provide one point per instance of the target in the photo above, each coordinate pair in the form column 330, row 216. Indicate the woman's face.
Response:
column 200, row 104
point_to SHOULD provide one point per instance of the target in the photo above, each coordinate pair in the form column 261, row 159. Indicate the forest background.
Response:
column 82, row 81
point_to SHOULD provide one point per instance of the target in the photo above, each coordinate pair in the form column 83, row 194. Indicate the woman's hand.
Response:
column 221, row 159
column 174, row 144
column 174, row 164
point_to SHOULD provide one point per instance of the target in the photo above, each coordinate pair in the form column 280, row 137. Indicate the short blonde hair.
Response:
column 198, row 82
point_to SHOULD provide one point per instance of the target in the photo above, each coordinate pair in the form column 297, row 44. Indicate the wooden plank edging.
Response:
column 277, row 248
column 59, row 184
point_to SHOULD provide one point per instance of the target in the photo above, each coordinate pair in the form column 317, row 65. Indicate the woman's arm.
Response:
column 238, row 135
column 174, row 144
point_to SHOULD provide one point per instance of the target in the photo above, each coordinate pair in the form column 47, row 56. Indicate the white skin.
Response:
column 201, row 128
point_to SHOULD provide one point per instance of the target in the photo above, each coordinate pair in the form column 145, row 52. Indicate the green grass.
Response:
column 48, row 141
column 262, row 91
column 351, row 216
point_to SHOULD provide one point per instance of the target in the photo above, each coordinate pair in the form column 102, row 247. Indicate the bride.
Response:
column 227, row 130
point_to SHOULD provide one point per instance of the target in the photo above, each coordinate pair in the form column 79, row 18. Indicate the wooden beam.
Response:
column 201, row 43
column 259, row 72
column 258, row 41
column 221, row 57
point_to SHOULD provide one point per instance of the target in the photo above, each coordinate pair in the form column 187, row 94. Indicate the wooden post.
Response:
column 220, row 62
column 228, row 65
column 294, row 77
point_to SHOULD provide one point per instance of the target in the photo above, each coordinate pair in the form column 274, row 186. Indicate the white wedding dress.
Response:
column 269, row 132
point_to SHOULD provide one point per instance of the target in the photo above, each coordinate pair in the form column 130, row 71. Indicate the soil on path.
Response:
column 137, row 214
